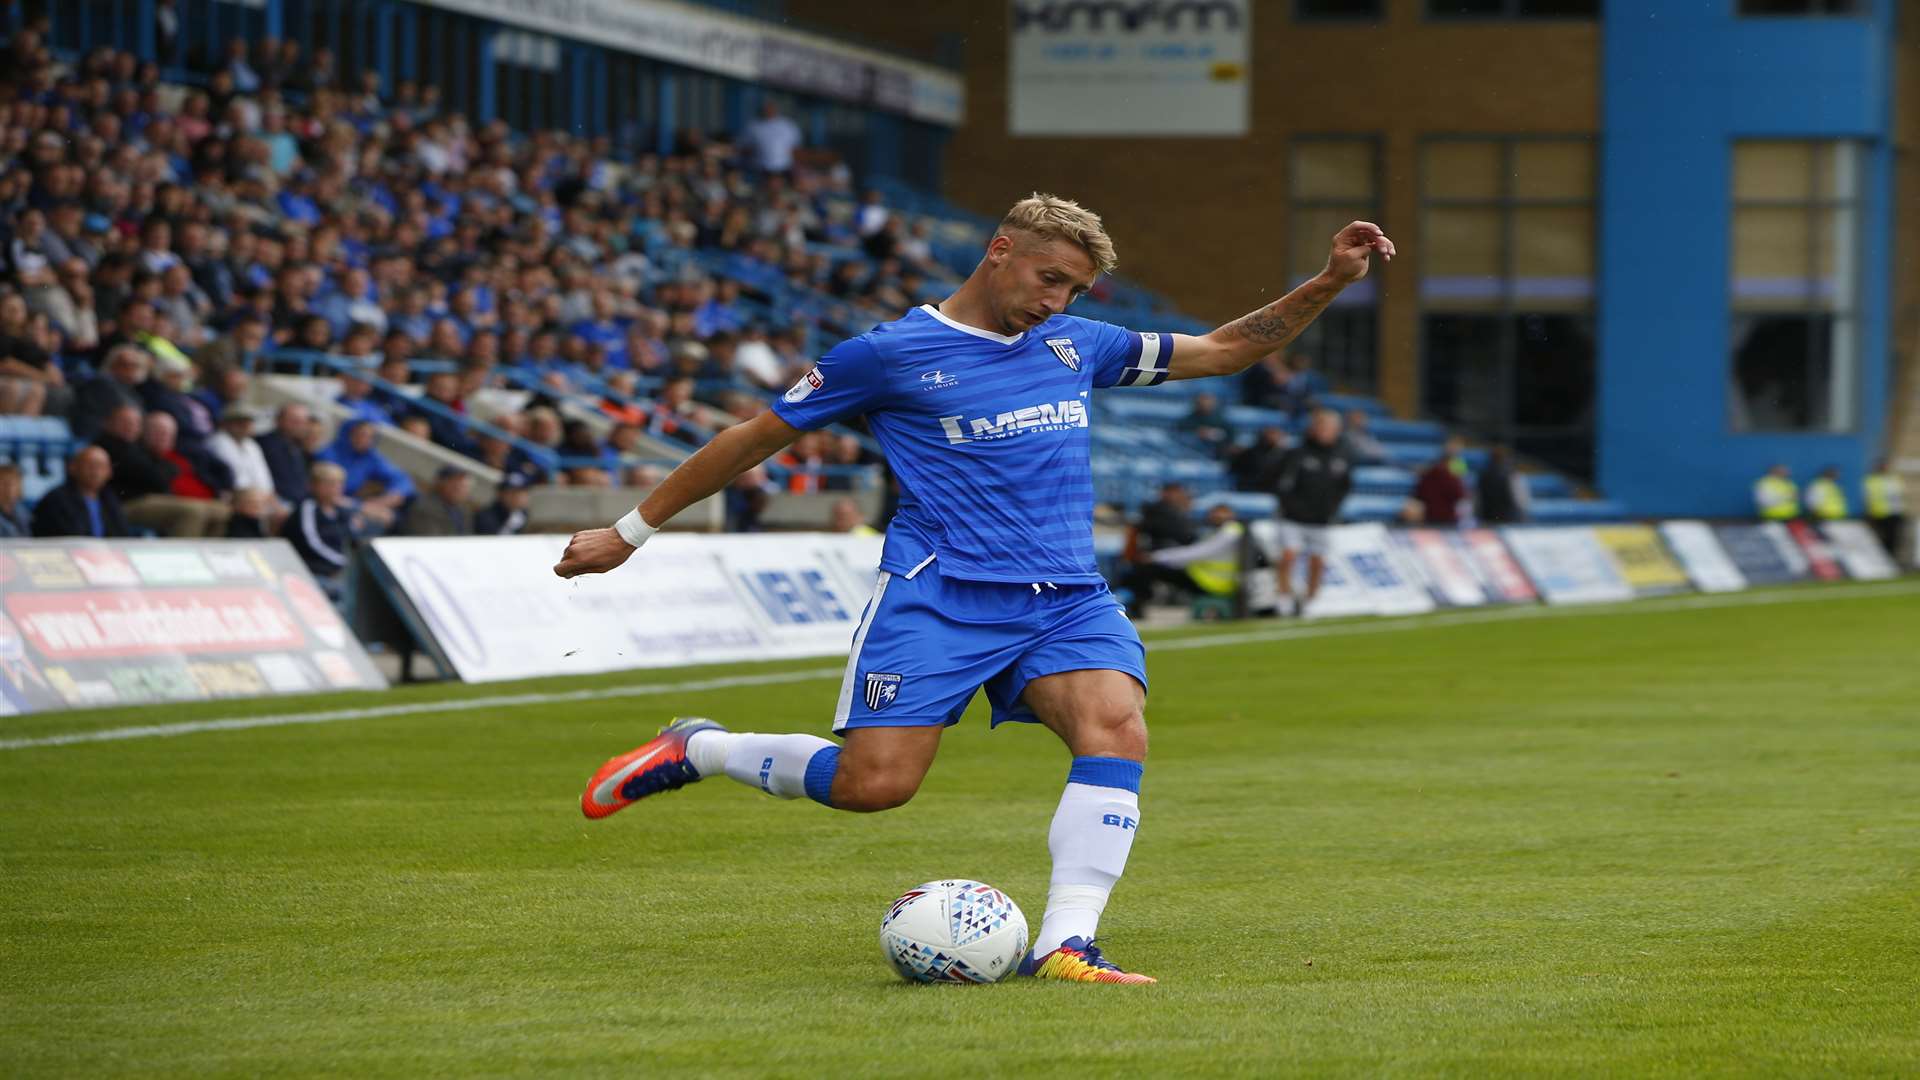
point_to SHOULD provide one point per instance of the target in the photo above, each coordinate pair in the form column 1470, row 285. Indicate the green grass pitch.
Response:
column 1674, row 838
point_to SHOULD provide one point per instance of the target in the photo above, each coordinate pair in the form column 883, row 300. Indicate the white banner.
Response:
column 1129, row 68
column 495, row 609
column 1442, row 561
column 1364, row 574
column 741, row 48
column 1567, row 565
column 1700, row 553
column 1859, row 550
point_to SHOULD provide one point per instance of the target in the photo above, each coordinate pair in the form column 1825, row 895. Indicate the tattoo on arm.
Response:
column 1278, row 322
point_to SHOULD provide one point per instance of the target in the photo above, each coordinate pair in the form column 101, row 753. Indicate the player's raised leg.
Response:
column 1101, row 717
column 880, row 768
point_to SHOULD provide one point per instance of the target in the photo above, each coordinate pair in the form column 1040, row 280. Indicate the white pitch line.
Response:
column 1196, row 641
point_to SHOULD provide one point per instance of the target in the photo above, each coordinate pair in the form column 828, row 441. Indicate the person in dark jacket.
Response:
column 1167, row 522
column 507, row 514
column 1314, row 480
column 84, row 505
column 323, row 528
column 1256, row 466
column 442, row 509
column 125, row 370
column 1501, row 499
column 285, row 448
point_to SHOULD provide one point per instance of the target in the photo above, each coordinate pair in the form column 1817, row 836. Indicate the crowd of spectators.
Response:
column 159, row 240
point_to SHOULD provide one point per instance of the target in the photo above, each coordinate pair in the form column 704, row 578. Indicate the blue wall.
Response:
column 1682, row 80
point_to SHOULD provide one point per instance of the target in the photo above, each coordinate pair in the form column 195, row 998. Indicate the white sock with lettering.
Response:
column 1092, row 834
column 784, row 766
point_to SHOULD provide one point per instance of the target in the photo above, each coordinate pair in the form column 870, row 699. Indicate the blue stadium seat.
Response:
column 1382, row 480
column 1247, row 505
column 1366, row 508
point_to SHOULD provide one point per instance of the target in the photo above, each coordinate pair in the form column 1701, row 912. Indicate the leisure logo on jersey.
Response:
column 937, row 380
column 1063, row 348
column 1046, row 416
column 808, row 383
column 882, row 688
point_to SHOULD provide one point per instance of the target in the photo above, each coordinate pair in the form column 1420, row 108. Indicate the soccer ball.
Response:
column 954, row 931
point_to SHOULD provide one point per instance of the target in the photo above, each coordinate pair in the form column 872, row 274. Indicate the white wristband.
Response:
column 634, row 529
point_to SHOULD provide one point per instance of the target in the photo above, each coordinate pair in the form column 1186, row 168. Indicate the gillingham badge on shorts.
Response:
column 881, row 690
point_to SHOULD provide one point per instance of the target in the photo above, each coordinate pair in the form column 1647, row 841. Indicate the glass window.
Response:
column 1337, row 9
column 1506, row 264
column 1795, row 250
column 1332, row 181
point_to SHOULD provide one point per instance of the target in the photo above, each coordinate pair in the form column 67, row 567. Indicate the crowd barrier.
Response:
column 97, row 623
column 102, row 623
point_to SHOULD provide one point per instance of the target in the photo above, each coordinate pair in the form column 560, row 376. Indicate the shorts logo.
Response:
column 881, row 690
column 808, row 383
column 937, row 380
column 1063, row 348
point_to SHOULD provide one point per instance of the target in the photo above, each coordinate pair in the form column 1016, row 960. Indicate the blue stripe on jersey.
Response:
column 988, row 434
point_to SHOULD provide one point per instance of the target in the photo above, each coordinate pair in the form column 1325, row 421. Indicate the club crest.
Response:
column 882, row 688
column 1063, row 348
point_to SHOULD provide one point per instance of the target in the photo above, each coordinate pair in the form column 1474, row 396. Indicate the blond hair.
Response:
column 1051, row 217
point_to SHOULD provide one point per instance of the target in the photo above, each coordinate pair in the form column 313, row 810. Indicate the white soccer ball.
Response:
column 954, row 931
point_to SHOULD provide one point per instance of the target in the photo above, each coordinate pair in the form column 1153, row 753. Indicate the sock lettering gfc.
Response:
column 1091, row 835
column 784, row 766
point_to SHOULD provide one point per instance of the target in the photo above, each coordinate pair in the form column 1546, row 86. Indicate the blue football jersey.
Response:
column 987, row 433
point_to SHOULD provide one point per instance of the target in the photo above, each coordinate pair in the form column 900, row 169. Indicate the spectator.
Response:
column 747, row 498
column 1775, row 496
column 167, row 393
column 507, row 514
column 1438, row 492
column 1886, row 501
column 1256, row 467
column 158, row 434
column 83, row 505
column 442, row 509
column 1826, row 499
column 235, row 445
column 323, row 528
column 30, row 382
column 14, row 523
column 69, row 306
column 1205, row 426
column 1314, row 480
column 675, row 415
column 1362, row 446
column 253, row 515
column 380, row 488
column 236, row 350
column 1261, row 383
column 1302, row 388
column 285, row 449
column 1210, row 566
column 845, row 517
column 1502, row 493
column 446, row 424
column 770, row 142
column 143, row 481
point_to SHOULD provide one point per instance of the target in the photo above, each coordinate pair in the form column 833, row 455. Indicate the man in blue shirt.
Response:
column 987, row 578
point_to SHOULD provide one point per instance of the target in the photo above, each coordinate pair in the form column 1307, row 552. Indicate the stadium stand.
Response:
column 582, row 312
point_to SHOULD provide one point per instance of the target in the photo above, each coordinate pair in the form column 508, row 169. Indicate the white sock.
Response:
column 784, row 766
column 1091, row 835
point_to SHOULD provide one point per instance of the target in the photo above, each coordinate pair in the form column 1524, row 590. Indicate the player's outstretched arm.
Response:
column 712, row 467
column 1237, row 345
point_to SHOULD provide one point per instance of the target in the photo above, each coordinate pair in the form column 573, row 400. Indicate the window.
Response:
column 1801, row 7
column 1796, row 285
column 1513, row 9
column 1506, row 288
column 1337, row 9
column 1332, row 181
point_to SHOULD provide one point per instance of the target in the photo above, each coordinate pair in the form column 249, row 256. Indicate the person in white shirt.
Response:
column 234, row 444
column 771, row 141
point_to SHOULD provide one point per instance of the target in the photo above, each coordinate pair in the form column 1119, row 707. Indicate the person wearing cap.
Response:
column 442, row 509
column 507, row 514
column 234, row 444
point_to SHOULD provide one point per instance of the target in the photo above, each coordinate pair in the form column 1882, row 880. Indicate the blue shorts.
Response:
column 926, row 643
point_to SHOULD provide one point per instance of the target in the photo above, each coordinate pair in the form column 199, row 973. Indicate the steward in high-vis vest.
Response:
column 1212, row 563
column 1775, row 496
column 1826, row 499
column 1886, row 505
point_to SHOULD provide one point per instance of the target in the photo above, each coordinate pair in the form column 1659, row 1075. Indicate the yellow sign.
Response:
column 1642, row 558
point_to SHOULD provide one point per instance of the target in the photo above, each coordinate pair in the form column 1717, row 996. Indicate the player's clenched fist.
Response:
column 593, row 551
